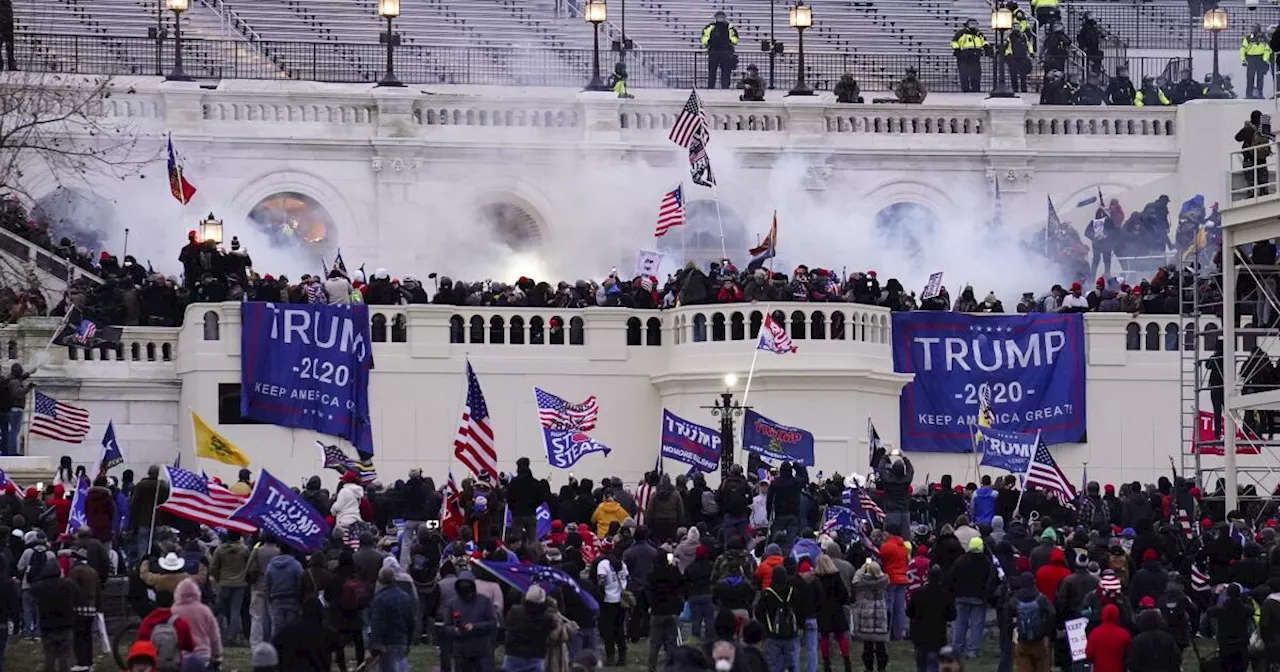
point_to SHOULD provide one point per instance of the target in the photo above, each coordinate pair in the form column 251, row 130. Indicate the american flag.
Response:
column 473, row 445
column 351, row 539
column 334, row 458
column 452, row 508
column 58, row 421
column 700, row 165
column 1199, row 578
column 1045, row 473
column 365, row 471
column 85, row 332
column 838, row 518
column 197, row 498
column 774, row 338
column 1184, row 522
column 691, row 124
column 671, row 211
column 556, row 413
column 862, row 504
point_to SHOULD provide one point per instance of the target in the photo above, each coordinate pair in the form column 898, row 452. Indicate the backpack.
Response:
column 354, row 595
column 35, row 566
column 1030, row 621
column 165, row 638
column 737, row 498
column 780, row 621
column 709, row 506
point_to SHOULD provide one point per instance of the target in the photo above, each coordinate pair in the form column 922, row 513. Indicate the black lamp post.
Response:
column 771, row 46
column 177, row 7
column 1001, row 23
column 623, row 45
column 1215, row 21
column 389, row 10
column 595, row 14
column 726, row 409
column 800, row 17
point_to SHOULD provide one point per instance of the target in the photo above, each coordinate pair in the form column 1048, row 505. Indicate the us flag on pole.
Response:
column 58, row 421
column 556, row 413
column 671, row 211
column 691, row 124
column 773, row 338
column 1044, row 473
column 474, row 445
column 196, row 498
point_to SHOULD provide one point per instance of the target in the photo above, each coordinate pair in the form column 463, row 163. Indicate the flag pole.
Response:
column 746, row 390
column 1018, row 505
column 715, row 193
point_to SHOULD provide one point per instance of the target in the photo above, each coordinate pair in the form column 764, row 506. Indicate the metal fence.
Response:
column 343, row 62
column 1169, row 25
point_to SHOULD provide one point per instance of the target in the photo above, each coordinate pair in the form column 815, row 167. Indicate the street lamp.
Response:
column 595, row 14
column 1215, row 21
column 177, row 7
column 800, row 17
column 726, row 409
column 1001, row 23
column 771, row 46
column 211, row 229
column 389, row 10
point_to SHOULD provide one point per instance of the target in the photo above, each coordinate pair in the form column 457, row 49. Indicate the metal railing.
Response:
column 1254, row 175
column 1166, row 25
column 356, row 62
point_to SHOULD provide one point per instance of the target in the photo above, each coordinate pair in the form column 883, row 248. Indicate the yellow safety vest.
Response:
column 706, row 34
column 1031, row 45
column 1249, row 47
column 1037, row 4
column 966, row 41
column 1138, row 99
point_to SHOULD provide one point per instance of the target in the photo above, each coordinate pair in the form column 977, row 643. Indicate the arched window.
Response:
column 1152, row 342
column 1133, row 336
column 456, row 329
column 293, row 219
column 906, row 227
column 166, row 352
column 837, row 326
column 151, row 352
column 378, row 328
column 717, row 327
column 653, row 332
column 633, row 331
column 1189, row 337
column 211, row 332
column 576, row 329
column 737, row 327
column 1171, row 333
column 798, row 320
column 757, row 319
column 135, row 352
column 477, row 329
column 818, row 329
column 557, row 330
column 536, row 334
column 12, row 349
column 517, row 330
column 699, row 328
column 497, row 330
column 400, row 328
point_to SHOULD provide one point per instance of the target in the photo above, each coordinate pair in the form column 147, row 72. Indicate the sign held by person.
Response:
column 274, row 507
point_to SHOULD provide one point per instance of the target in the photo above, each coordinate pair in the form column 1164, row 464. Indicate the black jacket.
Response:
column 784, row 496
column 55, row 600
column 808, row 598
column 414, row 502
column 930, row 609
column 524, row 494
column 666, row 590
column 307, row 646
column 698, row 577
column 1153, row 649
column 946, row 506
column 1149, row 581
column 528, row 628
column 895, row 480
column 972, row 576
column 1233, row 621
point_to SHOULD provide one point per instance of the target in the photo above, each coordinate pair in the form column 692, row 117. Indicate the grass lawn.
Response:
column 24, row 656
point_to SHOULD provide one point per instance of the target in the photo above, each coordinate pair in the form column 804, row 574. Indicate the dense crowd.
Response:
column 754, row 569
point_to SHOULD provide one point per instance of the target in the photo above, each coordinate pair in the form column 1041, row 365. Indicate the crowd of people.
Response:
column 765, row 579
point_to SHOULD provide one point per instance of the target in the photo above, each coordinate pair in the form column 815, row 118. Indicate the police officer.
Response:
column 1055, row 91
column 1057, row 49
column 1089, row 38
column 1019, row 51
column 720, row 37
column 969, row 46
column 1046, row 12
column 1255, row 54
column 1091, row 93
column 910, row 89
column 752, row 86
column 1150, row 94
column 1120, row 89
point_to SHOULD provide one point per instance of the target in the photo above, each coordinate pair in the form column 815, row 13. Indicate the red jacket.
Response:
column 893, row 560
column 1108, row 643
column 1052, row 574
column 159, row 615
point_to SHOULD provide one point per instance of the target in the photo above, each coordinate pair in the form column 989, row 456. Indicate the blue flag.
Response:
column 544, row 520
column 566, row 446
column 838, row 518
column 806, row 548
column 274, row 507
column 307, row 366
column 4, row 481
column 774, row 441
column 77, row 519
column 520, row 576
column 690, row 443
column 1006, row 450
column 111, row 455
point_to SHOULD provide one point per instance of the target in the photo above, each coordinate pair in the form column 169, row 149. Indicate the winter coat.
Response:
column 984, row 505
column 100, row 513
column 529, row 628
column 200, row 619
column 972, row 576
column 256, row 570
column 316, row 496
column 1233, row 622
column 930, row 610
column 143, row 501
column 1150, row 581
column 1108, row 643
column 894, row 558
column 346, row 505
column 164, row 581
column 665, row 507
column 606, row 513
column 687, row 549
column 479, row 612
column 1051, row 575
column 764, row 573
column 733, row 592
column 870, row 619
column 391, row 617
column 1154, row 649
column 832, row 618
column 230, row 561
column 284, row 578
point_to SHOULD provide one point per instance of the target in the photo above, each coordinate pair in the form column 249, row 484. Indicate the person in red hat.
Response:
column 1074, row 301
column 1108, row 643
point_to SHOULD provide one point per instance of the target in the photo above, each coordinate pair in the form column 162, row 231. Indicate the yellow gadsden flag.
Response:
column 214, row 446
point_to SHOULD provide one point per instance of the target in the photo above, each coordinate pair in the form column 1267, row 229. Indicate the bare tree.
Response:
column 67, row 128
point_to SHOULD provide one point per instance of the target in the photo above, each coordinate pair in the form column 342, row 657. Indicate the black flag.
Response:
column 79, row 331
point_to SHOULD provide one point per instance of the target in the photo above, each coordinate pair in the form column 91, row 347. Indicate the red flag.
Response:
column 178, row 184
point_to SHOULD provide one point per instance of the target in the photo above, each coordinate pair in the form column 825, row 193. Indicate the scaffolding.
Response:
column 1229, row 314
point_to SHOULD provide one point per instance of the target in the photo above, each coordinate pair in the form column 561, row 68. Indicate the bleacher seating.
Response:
column 530, row 42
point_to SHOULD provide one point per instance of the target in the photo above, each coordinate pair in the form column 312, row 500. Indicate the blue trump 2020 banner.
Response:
column 776, row 442
column 307, row 366
column 274, row 507
column 1031, row 366
column 690, row 443
column 1003, row 449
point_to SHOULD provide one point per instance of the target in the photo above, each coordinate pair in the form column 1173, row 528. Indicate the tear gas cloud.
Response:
column 605, row 211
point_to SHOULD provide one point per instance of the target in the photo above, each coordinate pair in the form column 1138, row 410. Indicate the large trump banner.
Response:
column 1030, row 367
column 307, row 366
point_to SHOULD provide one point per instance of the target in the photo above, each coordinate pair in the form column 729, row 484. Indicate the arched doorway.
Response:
column 906, row 226
column 291, row 219
column 511, row 224
column 699, row 239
